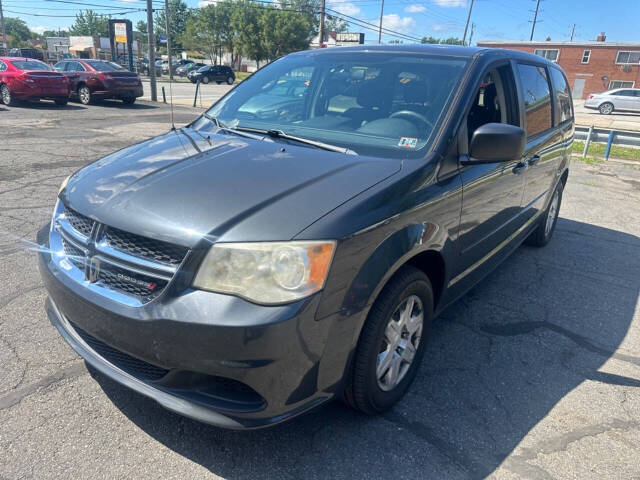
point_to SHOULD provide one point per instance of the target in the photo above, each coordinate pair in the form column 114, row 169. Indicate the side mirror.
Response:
column 496, row 142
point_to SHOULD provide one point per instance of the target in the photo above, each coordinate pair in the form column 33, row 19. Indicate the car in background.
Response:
column 91, row 80
column 212, row 73
column 183, row 70
column 143, row 68
column 620, row 99
column 31, row 79
column 175, row 63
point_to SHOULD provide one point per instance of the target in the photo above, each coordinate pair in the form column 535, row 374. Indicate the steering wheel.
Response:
column 411, row 116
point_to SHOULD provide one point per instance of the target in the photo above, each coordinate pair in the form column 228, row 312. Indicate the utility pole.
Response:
column 573, row 30
column 152, row 53
column 166, row 18
column 4, row 33
column 535, row 19
column 464, row 37
column 321, row 33
column 473, row 26
column 380, row 29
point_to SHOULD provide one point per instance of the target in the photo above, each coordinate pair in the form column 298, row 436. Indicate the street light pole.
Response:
column 166, row 18
column 152, row 53
column 466, row 26
column 380, row 29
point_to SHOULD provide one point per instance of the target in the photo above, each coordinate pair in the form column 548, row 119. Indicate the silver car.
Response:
column 621, row 99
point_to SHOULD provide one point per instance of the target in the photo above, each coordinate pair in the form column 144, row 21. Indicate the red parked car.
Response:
column 97, row 79
column 30, row 79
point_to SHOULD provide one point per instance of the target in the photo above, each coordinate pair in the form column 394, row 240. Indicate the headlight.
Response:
column 269, row 273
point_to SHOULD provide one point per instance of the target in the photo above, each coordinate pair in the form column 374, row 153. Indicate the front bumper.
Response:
column 282, row 358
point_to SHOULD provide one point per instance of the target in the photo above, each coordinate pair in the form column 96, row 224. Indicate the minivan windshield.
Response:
column 384, row 104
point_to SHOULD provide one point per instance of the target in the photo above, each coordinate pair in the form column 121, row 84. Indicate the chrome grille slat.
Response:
column 134, row 270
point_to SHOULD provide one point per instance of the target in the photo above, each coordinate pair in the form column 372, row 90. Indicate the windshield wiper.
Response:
column 224, row 128
column 286, row 136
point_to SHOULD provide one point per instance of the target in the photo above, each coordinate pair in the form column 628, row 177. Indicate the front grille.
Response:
column 73, row 253
column 147, row 248
column 131, row 365
column 135, row 266
column 80, row 223
column 130, row 282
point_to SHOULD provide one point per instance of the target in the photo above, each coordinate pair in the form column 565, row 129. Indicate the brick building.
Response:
column 590, row 66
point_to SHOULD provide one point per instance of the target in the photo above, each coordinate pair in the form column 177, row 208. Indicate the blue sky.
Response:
column 494, row 19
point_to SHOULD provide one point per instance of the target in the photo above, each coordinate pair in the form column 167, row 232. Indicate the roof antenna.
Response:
column 166, row 17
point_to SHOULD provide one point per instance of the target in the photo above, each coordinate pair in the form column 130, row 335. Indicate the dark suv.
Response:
column 261, row 261
column 212, row 73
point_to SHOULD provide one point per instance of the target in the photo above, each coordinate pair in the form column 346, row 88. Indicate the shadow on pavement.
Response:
column 119, row 104
column 498, row 361
column 46, row 105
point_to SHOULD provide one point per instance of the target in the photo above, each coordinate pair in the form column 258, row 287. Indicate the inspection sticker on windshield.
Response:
column 408, row 142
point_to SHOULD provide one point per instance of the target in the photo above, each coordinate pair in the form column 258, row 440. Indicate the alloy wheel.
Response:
column 6, row 95
column 85, row 95
column 606, row 108
column 400, row 343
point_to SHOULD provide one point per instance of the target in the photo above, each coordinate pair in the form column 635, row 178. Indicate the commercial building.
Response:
column 590, row 66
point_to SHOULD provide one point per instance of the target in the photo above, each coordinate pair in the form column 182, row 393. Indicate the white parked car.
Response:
column 621, row 99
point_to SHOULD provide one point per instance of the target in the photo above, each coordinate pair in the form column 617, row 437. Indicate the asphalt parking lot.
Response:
column 534, row 374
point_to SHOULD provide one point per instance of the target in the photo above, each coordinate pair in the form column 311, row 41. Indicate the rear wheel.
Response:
column 6, row 96
column 230, row 80
column 391, row 344
column 205, row 80
column 547, row 223
column 129, row 100
column 84, row 95
column 606, row 108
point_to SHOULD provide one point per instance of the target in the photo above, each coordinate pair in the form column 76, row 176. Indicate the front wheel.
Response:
column 391, row 344
column 230, row 80
column 547, row 223
column 6, row 96
column 205, row 80
column 606, row 108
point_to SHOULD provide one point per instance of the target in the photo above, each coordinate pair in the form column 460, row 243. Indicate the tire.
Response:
column 61, row 102
column 547, row 223
column 230, row 80
column 606, row 108
column 84, row 95
column 6, row 97
column 371, row 388
column 129, row 100
column 205, row 80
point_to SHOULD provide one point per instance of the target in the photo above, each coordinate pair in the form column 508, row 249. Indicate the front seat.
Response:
column 374, row 103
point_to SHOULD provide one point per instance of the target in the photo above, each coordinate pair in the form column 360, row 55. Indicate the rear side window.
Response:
column 563, row 95
column 30, row 65
column 537, row 98
column 3, row 67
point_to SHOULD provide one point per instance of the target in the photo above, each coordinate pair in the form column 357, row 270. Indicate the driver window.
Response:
column 489, row 105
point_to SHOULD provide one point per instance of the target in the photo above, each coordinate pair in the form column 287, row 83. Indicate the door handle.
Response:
column 520, row 167
column 533, row 160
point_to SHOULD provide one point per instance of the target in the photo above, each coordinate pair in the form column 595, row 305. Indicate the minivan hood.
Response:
column 181, row 186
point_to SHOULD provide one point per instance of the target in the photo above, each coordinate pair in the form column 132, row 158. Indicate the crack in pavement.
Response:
column 16, row 396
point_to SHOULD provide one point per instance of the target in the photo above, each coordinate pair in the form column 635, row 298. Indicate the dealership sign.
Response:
column 120, row 32
column 349, row 38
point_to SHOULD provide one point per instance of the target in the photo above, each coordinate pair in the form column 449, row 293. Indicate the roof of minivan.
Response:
column 433, row 49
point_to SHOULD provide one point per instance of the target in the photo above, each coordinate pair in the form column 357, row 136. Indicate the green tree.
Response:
column 17, row 29
column 443, row 41
column 179, row 14
column 335, row 24
column 245, row 21
column 55, row 33
column 90, row 23
column 285, row 31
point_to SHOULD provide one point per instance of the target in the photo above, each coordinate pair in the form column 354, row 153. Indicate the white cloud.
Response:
column 204, row 3
column 39, row 29
column 398, row 23
column 346, row 8
column 415, row 8
column 450, row 3
column 128, row 1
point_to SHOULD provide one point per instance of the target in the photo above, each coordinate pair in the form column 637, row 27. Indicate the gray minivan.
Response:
column 261, row 261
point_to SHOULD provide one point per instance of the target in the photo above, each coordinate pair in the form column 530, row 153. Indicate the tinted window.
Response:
column 537, row 98
column 563, row 95
column 625, row 93
column 30, row 65
column 385, row 104
column 3, row 67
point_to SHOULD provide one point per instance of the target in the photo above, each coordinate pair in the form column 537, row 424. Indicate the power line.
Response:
column 66, row 16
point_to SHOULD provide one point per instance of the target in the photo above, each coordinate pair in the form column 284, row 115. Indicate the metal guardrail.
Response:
column 612, row 137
